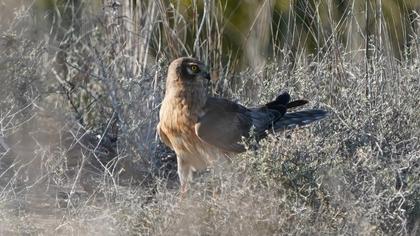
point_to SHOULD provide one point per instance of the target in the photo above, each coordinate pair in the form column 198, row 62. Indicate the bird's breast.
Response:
column 177, row 121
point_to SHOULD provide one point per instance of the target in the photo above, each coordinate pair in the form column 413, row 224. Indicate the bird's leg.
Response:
column 185, row 175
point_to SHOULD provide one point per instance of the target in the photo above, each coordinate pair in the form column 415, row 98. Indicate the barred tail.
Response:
column 299, row 118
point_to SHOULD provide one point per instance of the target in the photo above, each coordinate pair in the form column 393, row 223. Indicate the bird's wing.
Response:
column 163, row 137
column 223, row 124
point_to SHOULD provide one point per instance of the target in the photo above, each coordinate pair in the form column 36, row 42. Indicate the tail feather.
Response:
column 284, row 100
column 296, row 103
column 299, row 118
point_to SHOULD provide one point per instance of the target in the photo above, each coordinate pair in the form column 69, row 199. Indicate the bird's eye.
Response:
column 194, row 68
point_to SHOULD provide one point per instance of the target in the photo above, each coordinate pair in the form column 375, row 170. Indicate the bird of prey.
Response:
column 201, row 129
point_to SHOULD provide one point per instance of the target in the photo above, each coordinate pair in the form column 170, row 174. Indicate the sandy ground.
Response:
column 50, row 213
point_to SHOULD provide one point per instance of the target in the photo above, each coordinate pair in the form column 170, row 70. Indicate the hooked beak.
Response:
column 206, row 75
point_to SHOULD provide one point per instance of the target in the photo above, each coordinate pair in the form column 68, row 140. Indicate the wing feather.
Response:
column 223, row 124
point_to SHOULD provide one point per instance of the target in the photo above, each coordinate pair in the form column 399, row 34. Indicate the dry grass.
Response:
column 79, row 154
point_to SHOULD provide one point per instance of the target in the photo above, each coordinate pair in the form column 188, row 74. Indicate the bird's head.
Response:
column 188, row 70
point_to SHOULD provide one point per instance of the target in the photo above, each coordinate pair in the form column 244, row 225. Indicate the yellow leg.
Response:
column 185, row 175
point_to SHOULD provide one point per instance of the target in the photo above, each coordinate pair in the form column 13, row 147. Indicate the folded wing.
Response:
column 224, row 123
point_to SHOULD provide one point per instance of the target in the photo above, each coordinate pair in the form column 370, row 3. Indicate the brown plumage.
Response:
column 202, row 129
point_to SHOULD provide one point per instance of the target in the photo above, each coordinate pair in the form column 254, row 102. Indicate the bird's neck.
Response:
column 187, row 100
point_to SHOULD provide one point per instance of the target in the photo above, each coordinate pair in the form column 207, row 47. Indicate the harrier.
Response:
column 201, row 129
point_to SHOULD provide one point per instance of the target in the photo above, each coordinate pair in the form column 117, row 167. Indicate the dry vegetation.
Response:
column 79, row 101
